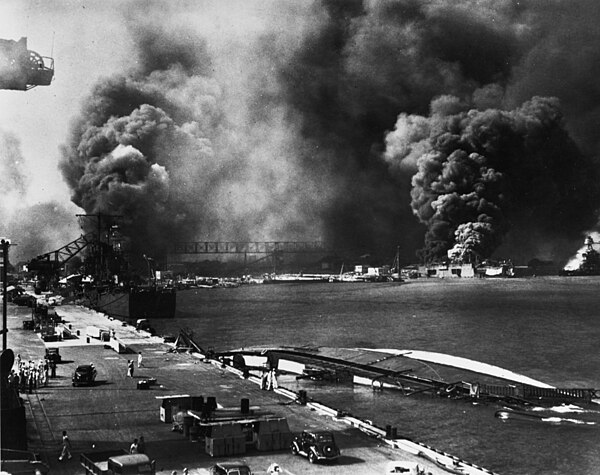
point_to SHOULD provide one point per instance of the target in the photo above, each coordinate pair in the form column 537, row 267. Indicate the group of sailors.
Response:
column 25, row 376
column 269, row 380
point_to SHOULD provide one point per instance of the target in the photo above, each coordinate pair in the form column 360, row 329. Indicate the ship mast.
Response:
column 100, row 257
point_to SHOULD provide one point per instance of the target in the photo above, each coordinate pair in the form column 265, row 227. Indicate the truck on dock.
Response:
column 117, row 462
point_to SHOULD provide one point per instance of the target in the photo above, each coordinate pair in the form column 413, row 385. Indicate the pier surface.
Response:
column 110, row 414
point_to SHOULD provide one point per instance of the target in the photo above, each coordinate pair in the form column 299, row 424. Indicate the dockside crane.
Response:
column 22, row 69
column 47, row 266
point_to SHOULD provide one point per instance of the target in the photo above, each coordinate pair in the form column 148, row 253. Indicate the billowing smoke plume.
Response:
column 155, row 147
column 21, row 223
column 13, row 178
column 279, row 132
column 482, row 173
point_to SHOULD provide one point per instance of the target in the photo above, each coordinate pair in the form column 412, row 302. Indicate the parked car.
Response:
column 84, row 375
column 230, row 468
column 316, row 446
column 53, row 355
column 116, row 462
column 23, row 300
column 144, row 324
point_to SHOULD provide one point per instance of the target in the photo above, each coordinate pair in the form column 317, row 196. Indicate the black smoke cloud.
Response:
column 288, row 140
column 481, row 174
column 156, row 147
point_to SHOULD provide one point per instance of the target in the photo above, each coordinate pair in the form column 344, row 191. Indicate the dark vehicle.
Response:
column 230, row 468
column 23, row 300
column 52, row 355
column 316, row 445
column 84, row 374
column 22, row 462
column 117, row 462
column 144, row 324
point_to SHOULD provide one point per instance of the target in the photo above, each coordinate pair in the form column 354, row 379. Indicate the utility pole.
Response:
column 4, row 243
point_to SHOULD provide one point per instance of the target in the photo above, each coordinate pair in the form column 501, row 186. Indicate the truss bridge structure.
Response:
column 251, row 247
column 248, row 254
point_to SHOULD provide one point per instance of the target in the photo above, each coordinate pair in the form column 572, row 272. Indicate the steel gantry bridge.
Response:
column 254, row 252
column 252, row 247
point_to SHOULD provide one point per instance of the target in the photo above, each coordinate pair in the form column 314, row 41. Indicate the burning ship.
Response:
column 587, row 261
column 106, row 283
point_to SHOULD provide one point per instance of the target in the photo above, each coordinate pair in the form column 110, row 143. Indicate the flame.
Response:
column 576, row 261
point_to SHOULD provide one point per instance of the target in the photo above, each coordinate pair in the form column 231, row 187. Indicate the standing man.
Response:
column 263, row 380
column 140, row 359
column 274, row 384
column 66, row 447
column 17, row 382
column 141, row 446
column 133, row 449
column 130, row 368
column 30, row 379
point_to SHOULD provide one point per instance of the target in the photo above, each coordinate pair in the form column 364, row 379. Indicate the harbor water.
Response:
column 547, row 328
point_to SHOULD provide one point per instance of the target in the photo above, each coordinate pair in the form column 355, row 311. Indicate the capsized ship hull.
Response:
column 137, row 302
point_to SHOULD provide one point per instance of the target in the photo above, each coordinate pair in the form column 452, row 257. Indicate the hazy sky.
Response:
column 88, row 40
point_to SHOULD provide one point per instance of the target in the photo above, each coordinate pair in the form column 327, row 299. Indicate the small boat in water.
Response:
column 295, row 278
column 552, row 418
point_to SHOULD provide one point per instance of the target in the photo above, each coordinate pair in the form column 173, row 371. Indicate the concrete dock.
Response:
column 110, row 414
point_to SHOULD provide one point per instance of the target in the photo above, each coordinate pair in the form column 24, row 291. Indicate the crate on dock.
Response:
column 235, row 440
column 215, row 447
column 273, row 434
column 229, row 449
column 239, row 445
column 283, row 425
column 285, row 439
column 264, row 442
column 170, row 406
column 271, row 425
column 276, row 441
column 285, row 435
column 222, row 430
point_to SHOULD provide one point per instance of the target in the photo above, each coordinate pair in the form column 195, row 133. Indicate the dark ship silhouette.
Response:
column 110, row 286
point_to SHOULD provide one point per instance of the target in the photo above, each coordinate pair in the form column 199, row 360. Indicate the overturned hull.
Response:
column 137, row 302
column 390, row 368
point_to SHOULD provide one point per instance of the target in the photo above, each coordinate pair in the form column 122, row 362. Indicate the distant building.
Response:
column 448, row 271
